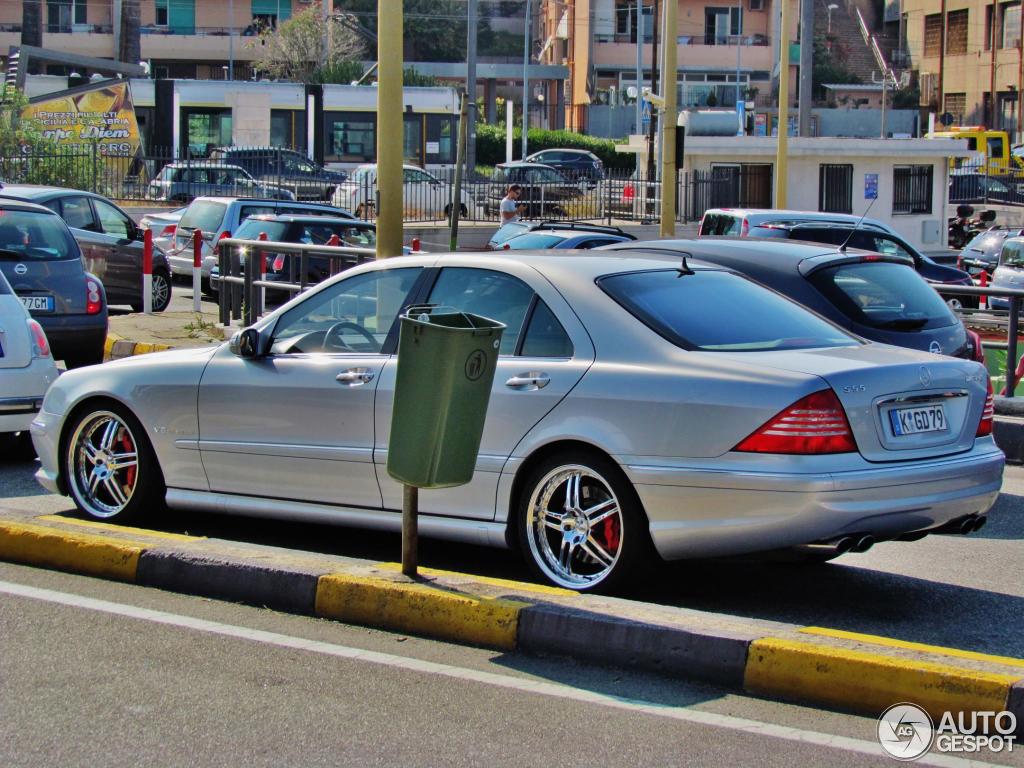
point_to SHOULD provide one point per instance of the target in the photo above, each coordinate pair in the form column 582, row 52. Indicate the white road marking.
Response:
column 694, row 717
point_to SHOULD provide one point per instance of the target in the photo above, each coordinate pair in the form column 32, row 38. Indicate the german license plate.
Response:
column 37, row 303
column 914, row 421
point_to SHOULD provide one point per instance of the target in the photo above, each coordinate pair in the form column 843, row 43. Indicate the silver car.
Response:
column 635, row 411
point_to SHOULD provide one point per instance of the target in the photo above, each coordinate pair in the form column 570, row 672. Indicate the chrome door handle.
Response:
column 355, row 377
column 529, row 381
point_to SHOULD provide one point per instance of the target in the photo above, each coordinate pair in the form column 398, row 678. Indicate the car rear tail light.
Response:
column 987, row 414
column 40, row 345
column 745, row 228
column 815, row 424
column 93, row 298
column 169, row 230
column 278, row 263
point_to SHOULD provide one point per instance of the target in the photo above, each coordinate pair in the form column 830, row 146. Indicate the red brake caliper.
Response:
column 126, row 443
column 611, row 534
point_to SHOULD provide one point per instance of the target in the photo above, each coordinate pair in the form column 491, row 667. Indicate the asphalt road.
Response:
column 960, row 591
column 102, row 673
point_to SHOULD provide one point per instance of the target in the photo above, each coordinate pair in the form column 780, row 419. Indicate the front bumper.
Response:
column 710, row 513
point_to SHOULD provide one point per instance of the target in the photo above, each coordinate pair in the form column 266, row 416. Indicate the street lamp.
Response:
column 831, row 7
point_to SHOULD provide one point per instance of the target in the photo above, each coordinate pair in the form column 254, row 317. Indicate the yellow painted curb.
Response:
column 108, row 344
column 419, row 609
column 890, row 642
column 520, row 586
column 868, row 682
column 69, row 551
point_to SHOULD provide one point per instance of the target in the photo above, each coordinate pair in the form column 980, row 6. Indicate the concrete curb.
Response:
column 114, row 348
column 811, row 665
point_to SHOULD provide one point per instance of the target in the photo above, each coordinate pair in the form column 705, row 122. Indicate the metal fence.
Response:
column 610, row 195
column 983, row 185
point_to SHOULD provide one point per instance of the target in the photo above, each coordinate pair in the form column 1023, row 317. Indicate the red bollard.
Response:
column 983, row 282
column 415, row 244
column 334, row 240
column 197, row 271
column 147, row 272
column 197, row 248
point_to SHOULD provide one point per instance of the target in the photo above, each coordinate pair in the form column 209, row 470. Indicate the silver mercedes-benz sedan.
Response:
column 642, row 405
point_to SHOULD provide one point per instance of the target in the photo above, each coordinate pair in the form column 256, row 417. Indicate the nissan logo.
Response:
column 935, row 347
column 20, row 269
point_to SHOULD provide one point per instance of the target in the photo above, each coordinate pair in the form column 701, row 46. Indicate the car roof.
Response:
column 781, row 253
column 14, row 204
column 230, row 199
column 31, row 191
column 203, row 164
column 299, row 218
column 523, row 164
column 560, row 149
column 754, row 215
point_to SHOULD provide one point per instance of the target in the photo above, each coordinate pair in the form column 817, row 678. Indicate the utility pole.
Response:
column 655, row 113
column 527, row 43
column 325, row 41
column 782, row 150
column 389, row 128
column 639, row 65
column 806, row 65
column 470, row 112
column 942, row 59
column 1020, row 81
column 669, row 120
column 231, row 39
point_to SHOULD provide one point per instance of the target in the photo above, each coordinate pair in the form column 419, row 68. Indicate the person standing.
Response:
column 509, row 208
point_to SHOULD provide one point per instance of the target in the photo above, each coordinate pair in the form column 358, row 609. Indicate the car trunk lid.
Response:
column 901, row 404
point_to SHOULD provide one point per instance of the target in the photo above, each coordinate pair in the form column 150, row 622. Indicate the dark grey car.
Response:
column 43, row 264
column 111, row 243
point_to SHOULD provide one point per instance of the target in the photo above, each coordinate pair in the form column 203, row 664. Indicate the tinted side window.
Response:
column 485, row 292
column 77, row 212
column 545, row 336
column 254, row 210
column 720, row 224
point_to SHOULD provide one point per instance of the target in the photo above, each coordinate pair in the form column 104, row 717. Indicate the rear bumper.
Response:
column 704, row 513
column 181, row 263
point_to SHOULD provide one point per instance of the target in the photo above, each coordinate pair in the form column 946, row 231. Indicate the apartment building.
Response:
column 724, row 48
column 968, row 64
column 204, row 39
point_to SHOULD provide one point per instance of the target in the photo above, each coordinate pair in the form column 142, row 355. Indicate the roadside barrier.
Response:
column 197, row 270
column 147, row 272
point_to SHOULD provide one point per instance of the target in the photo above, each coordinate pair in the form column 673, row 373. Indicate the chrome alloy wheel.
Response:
column 103, row 464
column 574, row 526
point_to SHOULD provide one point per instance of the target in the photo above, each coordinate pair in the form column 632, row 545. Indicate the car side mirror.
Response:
column 246, row 343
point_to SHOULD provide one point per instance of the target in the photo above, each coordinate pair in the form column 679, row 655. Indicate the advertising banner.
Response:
column 101, row 115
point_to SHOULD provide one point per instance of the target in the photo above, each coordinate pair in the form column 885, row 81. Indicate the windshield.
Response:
column 32, row 236
column 205, row 215
column 532, row 240
column 883, row 295
column 250, row 229
column 508, row 231
column 986, row 242
column 719, row 312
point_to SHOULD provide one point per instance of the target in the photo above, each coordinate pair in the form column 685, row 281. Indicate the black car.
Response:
column 545, row 191
column 981, row 254
column 43, row 264
column 284, row 168
column 878, row 242
column 979, row 188
column 111, row 242
column 877, row 296
column 573, row 163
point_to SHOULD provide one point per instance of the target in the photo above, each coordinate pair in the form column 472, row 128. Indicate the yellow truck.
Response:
column 987, row 147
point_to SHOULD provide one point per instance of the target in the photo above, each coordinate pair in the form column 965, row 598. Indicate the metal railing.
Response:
column 1015, row 296
column 242, row 289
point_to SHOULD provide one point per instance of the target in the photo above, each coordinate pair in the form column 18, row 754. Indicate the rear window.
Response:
column 206, row 215
column 31, row 236
column 719, row 312
column 720, row 224
column 250, row 229
column 883, row 295
column 1012, row 254
column 531, row 240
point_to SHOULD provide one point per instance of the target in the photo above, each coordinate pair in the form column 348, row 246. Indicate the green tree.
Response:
column 829, row 68
column 433, row 30
column 295, row 49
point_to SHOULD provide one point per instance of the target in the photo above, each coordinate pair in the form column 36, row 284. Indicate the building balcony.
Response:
column 694, row 52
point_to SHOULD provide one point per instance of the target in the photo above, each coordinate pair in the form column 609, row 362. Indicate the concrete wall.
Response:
column 609, row 122
column 866, row 123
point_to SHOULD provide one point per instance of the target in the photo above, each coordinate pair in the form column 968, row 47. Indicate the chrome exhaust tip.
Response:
column 863, row 544
column 845, row 544
column 979, row 522
column 967, row 526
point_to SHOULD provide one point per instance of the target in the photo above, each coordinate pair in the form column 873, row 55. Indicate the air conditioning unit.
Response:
column 757, row 5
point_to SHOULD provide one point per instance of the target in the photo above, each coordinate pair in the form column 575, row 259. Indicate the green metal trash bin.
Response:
column 446, row 364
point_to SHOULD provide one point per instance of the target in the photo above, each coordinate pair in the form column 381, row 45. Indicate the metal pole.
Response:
column 885, row 87
column 325, row 40
column 526, row 76
column 471, row 30
column 410, row 531
column 782, row 150
column 510, row 116
column 1011, row 347
column 460, row 157
column 389, row 128
column 639, row 67
column 669, row 120
column 806, row 65
column 231, row 39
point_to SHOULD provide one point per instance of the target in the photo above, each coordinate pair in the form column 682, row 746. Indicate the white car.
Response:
column 26, row 371
column 163, row 224
column 424, row 196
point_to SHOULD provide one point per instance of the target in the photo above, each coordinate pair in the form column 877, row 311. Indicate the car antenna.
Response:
column 684, row 269
column 842, row 248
